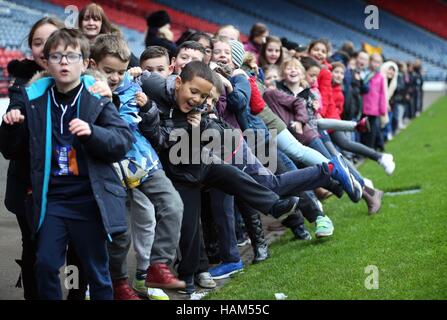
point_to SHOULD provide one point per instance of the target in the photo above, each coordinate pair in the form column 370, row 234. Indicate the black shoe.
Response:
column 335, row 188
column 255, row 231
column 300, row 232
column 283, row 207
column 293, row 220
column 190, row 286
column 261, row 253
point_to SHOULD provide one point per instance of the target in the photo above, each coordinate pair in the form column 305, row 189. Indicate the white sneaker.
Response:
column 198, row 295
column 387, row 162
column 389, row 136
column 151, row 293
column 368, row 183
column 156, row 294
column 205, row 280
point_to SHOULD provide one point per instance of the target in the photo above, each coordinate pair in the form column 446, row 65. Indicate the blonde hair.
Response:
column 250, row 57
column 228, row 26
column 295, row 63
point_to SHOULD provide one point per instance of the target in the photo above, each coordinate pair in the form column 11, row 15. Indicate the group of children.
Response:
column 94, row 139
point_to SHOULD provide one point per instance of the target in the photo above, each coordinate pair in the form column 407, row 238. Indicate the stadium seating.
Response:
column 180, row 21
column 298, row 20
column 393, row 30
column 17, row 17
column 429, row 14
column 5, row 57
column 301, row 24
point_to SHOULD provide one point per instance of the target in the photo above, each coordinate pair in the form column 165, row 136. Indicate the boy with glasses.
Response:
column 73, row 137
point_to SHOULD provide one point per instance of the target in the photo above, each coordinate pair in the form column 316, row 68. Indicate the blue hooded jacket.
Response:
column 142, row 154
column 109, row 142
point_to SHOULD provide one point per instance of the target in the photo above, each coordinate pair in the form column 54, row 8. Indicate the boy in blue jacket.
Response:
column 73, row 138
column 141, row 169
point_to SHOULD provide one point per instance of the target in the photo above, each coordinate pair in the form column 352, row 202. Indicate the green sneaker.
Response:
column 150, row 293
column 323, row 227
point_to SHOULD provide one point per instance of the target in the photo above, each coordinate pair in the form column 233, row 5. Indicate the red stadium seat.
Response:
column 132, row 14
column 429, row 14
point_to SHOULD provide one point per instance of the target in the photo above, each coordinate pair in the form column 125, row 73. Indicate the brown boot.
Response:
column 323, row 194
column 373, row 198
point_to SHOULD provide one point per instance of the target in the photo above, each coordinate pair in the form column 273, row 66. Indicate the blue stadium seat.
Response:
column 17, row 17
column 391, row 28
column 301, row 23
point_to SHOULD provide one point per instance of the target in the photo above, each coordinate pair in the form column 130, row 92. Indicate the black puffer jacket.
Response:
column 18, row 179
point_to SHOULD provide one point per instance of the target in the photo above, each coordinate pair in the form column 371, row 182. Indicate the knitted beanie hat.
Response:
column 237, row 53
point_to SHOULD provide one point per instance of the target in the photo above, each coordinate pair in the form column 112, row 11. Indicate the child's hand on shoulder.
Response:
column 227, row 84
column 141, row 99
column 79, row 128
column 135, row 72
column 13, row 117
column 194, row 119
column 102, row 88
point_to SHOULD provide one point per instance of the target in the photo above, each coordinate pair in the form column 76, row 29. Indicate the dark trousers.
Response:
column 28, row 262
column 290, row 182
column 229, row 180
column 342, row 141
column 308, row 204
column 73, row 260
column 222, row 207
column 190, row 232
column 203, row 258
column 28, row 259
column 374, row 138
column 89, row 240
column 209, row 231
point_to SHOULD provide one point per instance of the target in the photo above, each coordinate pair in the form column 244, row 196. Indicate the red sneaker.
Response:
column 122, row 291
column 160, row 276
column 363, row 125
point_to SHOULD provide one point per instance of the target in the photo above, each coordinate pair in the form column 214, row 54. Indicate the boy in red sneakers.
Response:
column 141, row 169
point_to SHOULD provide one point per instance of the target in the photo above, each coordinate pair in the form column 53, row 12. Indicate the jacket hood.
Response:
column 43, row 82
column 125, row 84
column 391, row 87
column 170, row 89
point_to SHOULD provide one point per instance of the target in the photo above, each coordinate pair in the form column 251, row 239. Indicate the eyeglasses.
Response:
column 71, row 57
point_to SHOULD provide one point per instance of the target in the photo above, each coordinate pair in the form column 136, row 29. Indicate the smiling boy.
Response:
column 142, row 170
column 175, row 101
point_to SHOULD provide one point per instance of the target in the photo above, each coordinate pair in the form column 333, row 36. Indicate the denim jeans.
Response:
column 288, row 144
column 288, row 183
column 222, row 207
